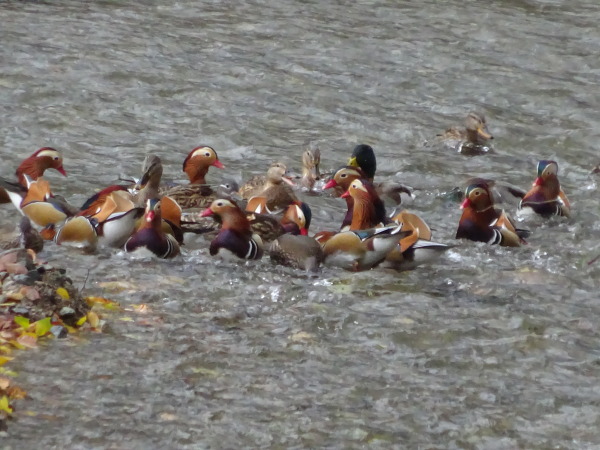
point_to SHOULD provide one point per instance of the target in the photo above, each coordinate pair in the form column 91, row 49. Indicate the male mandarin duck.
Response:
column 34, row 167
column 473, row 138
column 235, row 236
column 196, row 194
column 482, row 222
column 546, row 196
column 37, row 202
column 359, row 250
column 341, row 182
column 111, row 225
column 365, row 212
column 276, row 188
column 150, row 236
column 311, row 158
column 415, row 249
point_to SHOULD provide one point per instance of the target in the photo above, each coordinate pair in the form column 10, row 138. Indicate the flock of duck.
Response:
column 265, row 213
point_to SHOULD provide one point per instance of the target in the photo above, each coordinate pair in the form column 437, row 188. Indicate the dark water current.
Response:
column 491, row 348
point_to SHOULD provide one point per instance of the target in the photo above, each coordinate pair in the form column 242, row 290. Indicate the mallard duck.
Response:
column 276, row 189
column 471, row 139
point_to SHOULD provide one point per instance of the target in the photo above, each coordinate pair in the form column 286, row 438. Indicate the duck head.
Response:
column 198, row 161
column 476, row 127
column 363, row 156
column 36, row 164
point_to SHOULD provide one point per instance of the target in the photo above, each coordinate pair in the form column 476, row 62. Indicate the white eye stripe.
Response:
column 51, row 153
column 202, row 151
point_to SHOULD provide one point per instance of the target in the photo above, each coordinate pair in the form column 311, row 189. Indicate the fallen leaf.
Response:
column 93, row 319
column 104, row 302
column 28, row 340
column 43, row 326
column 81, row 321
column 4, row 405
column 23, row 322
column 4, row 382
column 63, row 293
column 301, row 336
column 15, row 392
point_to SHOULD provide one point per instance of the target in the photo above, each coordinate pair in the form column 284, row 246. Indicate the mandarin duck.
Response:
column 37, row 202
column 311, row 158
column 111, row 225
column 235, row 236
column 415, row 249
column 482, row 222
column 471, row 139
column 546, row 197
column 34, row 167
column 150, row 235
column 359, row 250
column 298, row 251
column 341, row 181
column 363, row 158
column 196, row 194
column 276, row 188
column 366, row 213
column 295, row 220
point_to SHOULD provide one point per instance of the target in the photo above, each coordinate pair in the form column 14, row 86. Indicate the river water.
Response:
column 490, row 348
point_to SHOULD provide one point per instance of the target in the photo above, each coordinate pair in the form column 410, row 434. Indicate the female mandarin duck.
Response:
column 482, row 222
column 34, row 167
column 301, row 252
column 359, row 250
column 197, row 194
column 546, row 196
column 235, row 236
column 473, row 138
column 150, row 235
column 276, row 189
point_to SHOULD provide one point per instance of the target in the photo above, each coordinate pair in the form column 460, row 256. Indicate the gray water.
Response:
column 491, row 348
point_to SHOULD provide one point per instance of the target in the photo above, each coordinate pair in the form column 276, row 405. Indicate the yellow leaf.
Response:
column 5, row 349
column 4, row 406
column 93, row 319
column 9, row 373
column 43, row 326
column 126, row 319
column 5, row 359
column 62, row 292
column 81, row 321
column 23, row 322
column 104, row 302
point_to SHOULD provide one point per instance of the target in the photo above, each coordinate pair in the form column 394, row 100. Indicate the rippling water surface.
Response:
column 489, row 348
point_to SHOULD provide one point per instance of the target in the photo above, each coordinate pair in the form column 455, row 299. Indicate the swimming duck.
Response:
column 235, row 236
column 546, row 196
column 471, row 139
column 28, row 238
column 196, row 194
column 150, row 235
column 341, row 182
column 482, row 222
column 365, row 214
column 311, row 158
column 299, row 251
column 112, row 225
column 416, row 248
column 359, row 250
column 276, row 189
column 34, row 167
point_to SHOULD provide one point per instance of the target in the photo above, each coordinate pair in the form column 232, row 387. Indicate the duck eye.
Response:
column 343, row 175
column 219, row 203
column 207, row 154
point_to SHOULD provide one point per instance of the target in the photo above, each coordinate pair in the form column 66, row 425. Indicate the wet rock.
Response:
column 59, row 331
